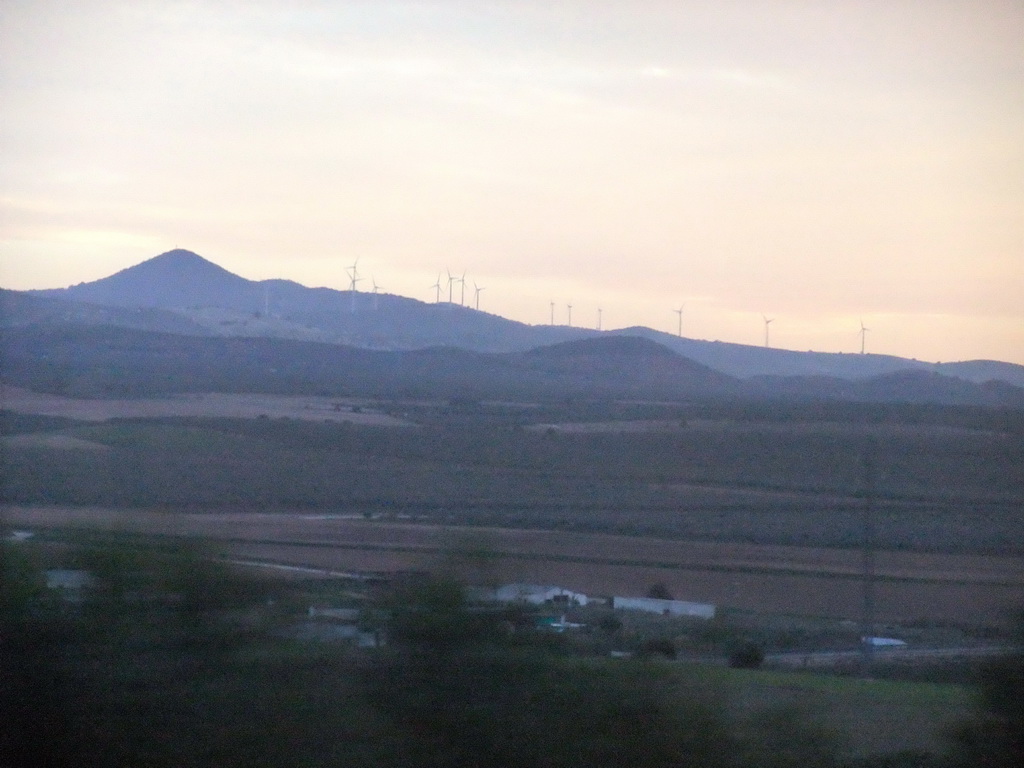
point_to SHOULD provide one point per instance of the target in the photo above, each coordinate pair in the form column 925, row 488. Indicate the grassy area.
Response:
column 870, row 716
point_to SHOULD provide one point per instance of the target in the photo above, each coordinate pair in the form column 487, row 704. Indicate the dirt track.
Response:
column 799, row 580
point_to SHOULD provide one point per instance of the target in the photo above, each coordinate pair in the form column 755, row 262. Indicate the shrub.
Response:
column 658, row 647
column 747, row 655
column 659, row 591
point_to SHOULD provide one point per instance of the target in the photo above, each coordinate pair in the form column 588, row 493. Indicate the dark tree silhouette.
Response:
column 995, row 738
column 659, row 591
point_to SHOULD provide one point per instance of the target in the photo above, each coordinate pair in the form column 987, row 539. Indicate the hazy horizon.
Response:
column 821, row 165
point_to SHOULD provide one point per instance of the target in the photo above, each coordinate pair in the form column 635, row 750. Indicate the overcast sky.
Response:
column 819, row 163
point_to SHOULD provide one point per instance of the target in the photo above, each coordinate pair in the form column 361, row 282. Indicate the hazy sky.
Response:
column 816, row 162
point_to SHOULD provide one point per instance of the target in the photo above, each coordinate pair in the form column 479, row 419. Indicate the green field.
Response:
column 868, row 716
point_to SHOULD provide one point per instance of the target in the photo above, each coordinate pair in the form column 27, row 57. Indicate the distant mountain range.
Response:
column 181, row 302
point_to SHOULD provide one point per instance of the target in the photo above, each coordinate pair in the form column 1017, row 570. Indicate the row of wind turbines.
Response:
column 679, row 326
column 460, row 280
column 354, row 279
column 769, row 320
column 353, row 285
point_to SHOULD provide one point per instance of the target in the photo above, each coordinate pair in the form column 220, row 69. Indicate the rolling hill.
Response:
column 180, row 292
column 102, row 360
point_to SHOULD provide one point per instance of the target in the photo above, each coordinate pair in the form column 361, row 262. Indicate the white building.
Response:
column 664, row 607
column 68, row 580
column 533, row 594
column 883, row 642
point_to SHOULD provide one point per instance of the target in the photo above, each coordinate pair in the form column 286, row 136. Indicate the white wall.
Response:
column 664, row 607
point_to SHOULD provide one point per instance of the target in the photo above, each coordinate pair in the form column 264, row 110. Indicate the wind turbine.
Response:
column 477, row 289
column 863, row 333
column 462, row 282
column 353, row 275
column 570, row 314
column 680, row 313
column 437, row 289
column 451, row 280
column 354, row 279
column 552, row 313
column 599, row 318
column 767, row 321
column 376, row 288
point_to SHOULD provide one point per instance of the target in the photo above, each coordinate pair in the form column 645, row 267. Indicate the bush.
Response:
column 995, row 735
column 659, row 647
column 746, row 656
column 659, row 591
column 609, row 623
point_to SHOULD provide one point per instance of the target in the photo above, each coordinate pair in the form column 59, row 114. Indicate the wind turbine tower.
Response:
column 376, row 288
column 863, row 333
column 451, row 281
column 476, row 297
column 599, row 318
column 552, row 313
column 767, row 321
column 437, row 289
column 570, row 314
column 462, row 282
column 679, row 331
column 354, row 275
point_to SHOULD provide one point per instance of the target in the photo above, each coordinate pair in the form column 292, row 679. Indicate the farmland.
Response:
column 752, row 508
column 770, row 579
column 762, row 510
column 210, row 404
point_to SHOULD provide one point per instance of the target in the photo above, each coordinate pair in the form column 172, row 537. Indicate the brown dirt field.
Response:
column 244, row 406
column 796, row 580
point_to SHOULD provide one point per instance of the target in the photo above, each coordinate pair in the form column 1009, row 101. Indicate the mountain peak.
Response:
column 173, row 280
column 180, row 253
column 179, row 261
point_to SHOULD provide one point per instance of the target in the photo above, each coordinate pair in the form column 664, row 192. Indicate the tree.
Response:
column 995, row 737
column 659, row 591
column 458, row 691
column 660, row 646
column 609, row 623
column 747, row 655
